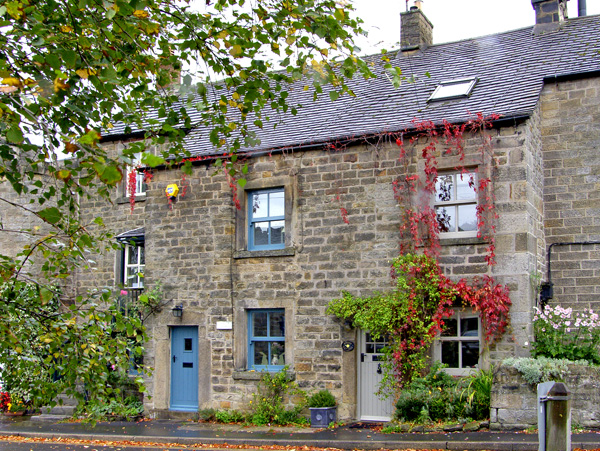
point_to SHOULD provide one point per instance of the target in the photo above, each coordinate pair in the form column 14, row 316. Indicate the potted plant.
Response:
column 323, row 409
column 12, row 405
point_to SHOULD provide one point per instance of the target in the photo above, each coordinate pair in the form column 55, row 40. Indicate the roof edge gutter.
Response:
column 557, row 78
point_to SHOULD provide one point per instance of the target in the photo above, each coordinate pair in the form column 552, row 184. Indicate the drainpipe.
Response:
column 581, row 8
column 546, row 288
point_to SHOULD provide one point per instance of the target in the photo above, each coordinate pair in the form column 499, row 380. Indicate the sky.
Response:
column 452, row 20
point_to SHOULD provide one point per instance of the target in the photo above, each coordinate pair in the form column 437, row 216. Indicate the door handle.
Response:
column 174, row 358
column 379, row 368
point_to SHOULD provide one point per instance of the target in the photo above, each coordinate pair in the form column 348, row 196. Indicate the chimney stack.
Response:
column 416, row 32
column 549, row 14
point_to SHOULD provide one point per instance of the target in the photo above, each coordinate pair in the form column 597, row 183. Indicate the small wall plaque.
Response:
column 348, row 346
column 224, row 325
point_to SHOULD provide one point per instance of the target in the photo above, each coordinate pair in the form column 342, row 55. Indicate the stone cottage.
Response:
column 246, row 289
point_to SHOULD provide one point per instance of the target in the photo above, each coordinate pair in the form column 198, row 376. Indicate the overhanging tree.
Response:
column 71, row 69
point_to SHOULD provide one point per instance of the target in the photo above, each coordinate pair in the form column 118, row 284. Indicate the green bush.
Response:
column 273, row 392
column 541, row 369
column 322, row 398
column 229, row 416
column 207, row 414
column 440, row 397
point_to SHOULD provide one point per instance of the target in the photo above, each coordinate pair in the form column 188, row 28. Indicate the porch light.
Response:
column 177, row 311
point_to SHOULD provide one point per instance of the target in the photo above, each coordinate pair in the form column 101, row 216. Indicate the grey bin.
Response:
column 322, row 416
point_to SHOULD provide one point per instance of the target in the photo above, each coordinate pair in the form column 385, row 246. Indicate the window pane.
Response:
column 277, row 232
column 467, row 218
column 277, row 324
column 464, row 186
column 277, row 204
column 259, row 324
column 132, row 252
column 261, row 353
column 446, row 218
column 142, row 255
column 132, row 277
column 278, row 353
column 187, row 344
column 260, row 205
column 261, row 233
column 444, row 188
column 450, row 328
column 470, row 354
column 450, row 353
column 469, row 327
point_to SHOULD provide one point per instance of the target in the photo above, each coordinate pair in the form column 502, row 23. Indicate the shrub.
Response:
column 541, row 369
column 322, row 398
column 229, row 416
column 440, row 397
column 563, row 334
column 207, row 414
column 268, row 403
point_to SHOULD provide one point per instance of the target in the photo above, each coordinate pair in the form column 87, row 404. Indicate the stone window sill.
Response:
column 138, row 198
column 256, row 375
column 287, row 252
column 461, row 241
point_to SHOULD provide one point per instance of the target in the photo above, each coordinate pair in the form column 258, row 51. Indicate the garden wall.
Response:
column 514, row 401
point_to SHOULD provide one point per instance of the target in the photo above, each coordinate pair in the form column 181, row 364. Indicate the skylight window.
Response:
column 453, row 89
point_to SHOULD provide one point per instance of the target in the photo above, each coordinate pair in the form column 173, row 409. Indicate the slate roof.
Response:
column 510, row 68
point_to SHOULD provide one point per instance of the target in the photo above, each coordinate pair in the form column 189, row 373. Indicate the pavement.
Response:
column 343, row 437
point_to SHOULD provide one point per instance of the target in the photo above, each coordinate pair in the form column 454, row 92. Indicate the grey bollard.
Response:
column 554, row 418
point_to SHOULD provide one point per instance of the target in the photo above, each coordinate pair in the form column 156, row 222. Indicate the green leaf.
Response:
column 14, row 135
column 152, row 160
column 51, row 215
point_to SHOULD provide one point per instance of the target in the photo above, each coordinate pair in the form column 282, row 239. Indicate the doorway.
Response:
column 184, row 368
column 370, row 373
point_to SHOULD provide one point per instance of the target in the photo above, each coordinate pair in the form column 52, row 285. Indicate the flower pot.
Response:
column 20, row 413
column 321, row 416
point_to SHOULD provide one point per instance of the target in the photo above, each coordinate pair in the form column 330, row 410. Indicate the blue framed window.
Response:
column 266, row 339
column 266, row 219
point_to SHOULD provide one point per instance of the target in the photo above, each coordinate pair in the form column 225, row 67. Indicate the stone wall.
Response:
column 570, row 113
column 514, row 401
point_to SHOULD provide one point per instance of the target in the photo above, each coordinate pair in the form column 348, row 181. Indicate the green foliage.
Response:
column 229, row 416
column 412, row 314
column 148, row 303
column 74, row 68
column 563, row 334
column 440, row 397
column 322, row 398
column 207, row 414
column 117, row 405
column 541, row 369
column 49, row 346
column 268, row 405
column 127, row 409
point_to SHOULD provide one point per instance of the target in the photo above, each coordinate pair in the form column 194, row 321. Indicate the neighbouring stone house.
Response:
column 253, row 283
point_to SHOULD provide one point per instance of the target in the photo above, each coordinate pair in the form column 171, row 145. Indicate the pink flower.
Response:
column 123, row 292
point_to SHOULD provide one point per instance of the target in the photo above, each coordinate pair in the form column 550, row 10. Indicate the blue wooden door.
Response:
column 184, row 368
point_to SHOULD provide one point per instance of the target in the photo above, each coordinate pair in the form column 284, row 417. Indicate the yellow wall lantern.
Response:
column 172, row 191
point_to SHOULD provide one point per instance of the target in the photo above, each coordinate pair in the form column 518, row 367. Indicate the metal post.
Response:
column 555, row 417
